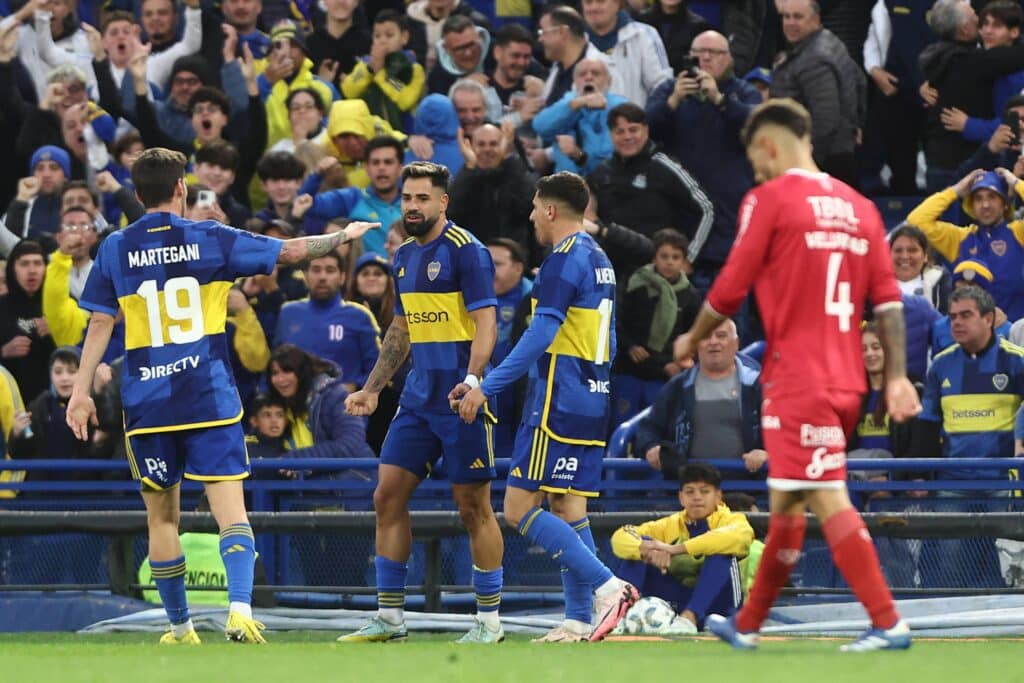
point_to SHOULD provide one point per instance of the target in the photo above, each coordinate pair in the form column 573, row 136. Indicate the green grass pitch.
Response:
column 297, row 657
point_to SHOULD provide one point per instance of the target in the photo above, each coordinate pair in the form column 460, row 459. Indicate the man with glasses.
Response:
column 460, row 54
column 711, row 99
column 562, row 34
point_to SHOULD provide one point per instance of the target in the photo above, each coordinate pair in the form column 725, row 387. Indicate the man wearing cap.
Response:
column 35, row 211
column 288, row 68
column 760, row 78
column 974, row 272
column 994, row 238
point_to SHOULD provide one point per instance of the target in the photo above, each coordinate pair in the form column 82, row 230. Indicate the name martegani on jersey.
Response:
column 160, row 255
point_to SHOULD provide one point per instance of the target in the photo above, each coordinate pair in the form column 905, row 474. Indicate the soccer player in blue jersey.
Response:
column 567, row 350
column 444, row 316
column 170, row 277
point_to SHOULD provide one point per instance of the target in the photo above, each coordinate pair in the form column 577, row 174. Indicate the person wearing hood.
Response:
column 995, row 238
column 635, row 50
column 388, row 79
column 25, row 341
column 464, row 50
column 288, row 68
column 963, row 76
column 428, row 16
column 578, row 123
column 437, row 121
column 35, row 211
column 350, row 126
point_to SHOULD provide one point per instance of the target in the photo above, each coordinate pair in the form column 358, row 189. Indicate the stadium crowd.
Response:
column 298, row 117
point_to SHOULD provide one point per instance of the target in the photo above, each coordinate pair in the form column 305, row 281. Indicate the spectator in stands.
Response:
column 643, row 189
column 42, row 433
column 896, row 37
column 492, row 195
column 327, row 326
column 1000, row 243
column 217, row 167
column 689, row 559
column 25, row 341
column 677, row 25
column 817, row 71
column 350, row 126
column 243, row 16
column 1002, row 148
column 268, row 430
column 11, row 404
column 43, row 125
column 288, row 68
column 715, row 102
column 969, row 272
column 248, row 350
column 160, row 22
column 314, row 393
column 636, row 54
column 474, row 104
column 381, row 202
column 280, row 175
column 396, row 236
column 578, row 123
column 52, row 38
column 562, row 35
column 306, row 112
column 438, row 124
column 460, row 53
column 516, row 77
column 339, row 40
column 915, row 273
column 710, row 411
column 388, row 78
column 657, row 305
column 1000, row 22
column 35, row 212
column 961, row 77
column 431, row 15
column 79, row 193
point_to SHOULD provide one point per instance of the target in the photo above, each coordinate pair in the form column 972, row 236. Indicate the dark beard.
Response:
column 419, row 228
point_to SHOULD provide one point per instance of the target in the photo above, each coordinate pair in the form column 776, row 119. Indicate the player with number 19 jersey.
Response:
column 814, row 250
column 170, row 276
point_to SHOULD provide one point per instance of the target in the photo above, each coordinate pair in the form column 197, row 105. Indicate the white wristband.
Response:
column 472, row 380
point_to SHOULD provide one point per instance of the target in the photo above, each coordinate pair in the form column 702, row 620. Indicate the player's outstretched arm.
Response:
column 393, row 351
column 901, row 399
column 305, row 248
column 81, row 410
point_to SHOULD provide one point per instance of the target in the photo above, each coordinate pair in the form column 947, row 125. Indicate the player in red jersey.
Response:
column 814, row 250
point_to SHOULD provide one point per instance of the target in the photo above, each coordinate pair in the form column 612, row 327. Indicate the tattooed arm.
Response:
column 393, row 352
column 306, row 248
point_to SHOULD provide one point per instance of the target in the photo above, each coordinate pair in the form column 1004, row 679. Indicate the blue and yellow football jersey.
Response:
column 171, row 278
column 568, row 390
column 438, row 285
column 975, row 399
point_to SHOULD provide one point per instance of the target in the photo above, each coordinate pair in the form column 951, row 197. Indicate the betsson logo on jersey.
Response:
column 418, row 317
column 168, row 369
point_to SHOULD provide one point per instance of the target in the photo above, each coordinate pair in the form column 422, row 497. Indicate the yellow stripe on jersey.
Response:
column 578, row 335
column 437, row 317
column 458, row 235
column 969, row 413
column 213, row 308
column 567, row 246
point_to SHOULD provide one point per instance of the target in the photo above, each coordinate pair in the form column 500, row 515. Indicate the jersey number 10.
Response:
column 185, row 319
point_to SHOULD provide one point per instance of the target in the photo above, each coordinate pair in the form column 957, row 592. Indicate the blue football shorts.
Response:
column 417, row 441
column 160, row 460
column 539, row 463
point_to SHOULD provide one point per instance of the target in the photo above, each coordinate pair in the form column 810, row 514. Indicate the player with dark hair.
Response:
column 170, row 277
column 444, row 316
column 813, row 374
column 567, row 350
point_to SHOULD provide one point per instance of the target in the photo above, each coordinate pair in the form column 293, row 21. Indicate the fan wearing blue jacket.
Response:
column 437, row 121
column 577, row 124
column 378, row 203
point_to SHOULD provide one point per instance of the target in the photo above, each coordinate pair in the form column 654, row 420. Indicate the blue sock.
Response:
column 579, row 596
column 169, row 578
column 558, row 538
column 487, row 585
column 238, row 550
column 390, row 582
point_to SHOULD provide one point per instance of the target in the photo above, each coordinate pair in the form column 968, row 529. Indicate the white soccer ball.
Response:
column 649, row 616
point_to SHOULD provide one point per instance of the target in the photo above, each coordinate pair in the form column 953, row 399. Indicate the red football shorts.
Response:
column 804, row 434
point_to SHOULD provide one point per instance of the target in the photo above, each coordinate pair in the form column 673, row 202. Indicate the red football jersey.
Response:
column 815, row 251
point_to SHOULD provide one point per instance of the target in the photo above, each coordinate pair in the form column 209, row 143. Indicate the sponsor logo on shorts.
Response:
column 155, row 466
column 822, row 461
column 599, row 386
column 168, row 369
column 565, row 468
column 771, row 422
column 814, row 435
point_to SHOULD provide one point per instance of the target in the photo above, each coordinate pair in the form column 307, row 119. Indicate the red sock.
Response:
column 781, row 553
column 854, row 554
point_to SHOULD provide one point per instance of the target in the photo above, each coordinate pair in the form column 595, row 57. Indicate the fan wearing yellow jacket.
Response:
column 689, row 559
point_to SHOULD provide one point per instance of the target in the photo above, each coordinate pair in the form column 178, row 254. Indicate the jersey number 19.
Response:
column 187, row 317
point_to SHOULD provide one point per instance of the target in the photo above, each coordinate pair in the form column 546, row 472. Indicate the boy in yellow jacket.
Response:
column 689, row 559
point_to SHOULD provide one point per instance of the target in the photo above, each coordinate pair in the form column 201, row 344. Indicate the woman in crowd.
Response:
column 915, row 272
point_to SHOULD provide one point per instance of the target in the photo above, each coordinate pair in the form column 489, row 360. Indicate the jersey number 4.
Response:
column 181, row 304
column 837, row 294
